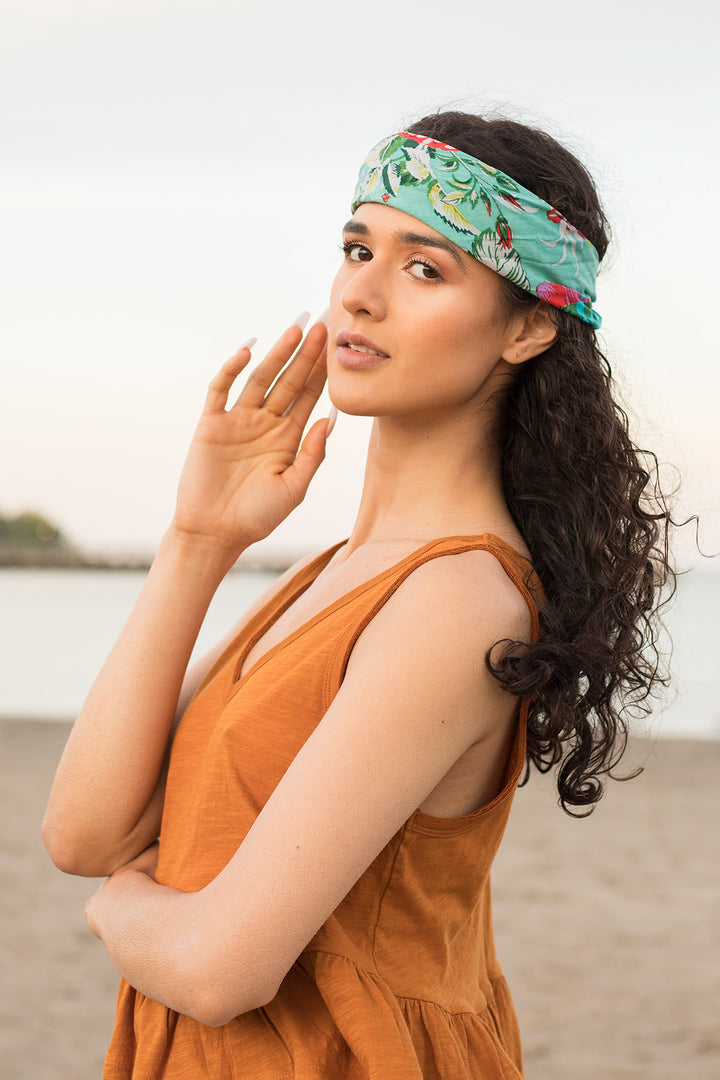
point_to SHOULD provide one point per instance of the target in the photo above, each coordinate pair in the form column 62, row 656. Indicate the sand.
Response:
column 607, row 928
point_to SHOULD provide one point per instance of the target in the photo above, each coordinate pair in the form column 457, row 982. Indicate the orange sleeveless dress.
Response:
column 402, row 981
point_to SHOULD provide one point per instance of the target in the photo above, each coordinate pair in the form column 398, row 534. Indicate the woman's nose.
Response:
column 365, row 291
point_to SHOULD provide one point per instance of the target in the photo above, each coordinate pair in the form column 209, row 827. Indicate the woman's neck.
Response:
column 428, row 480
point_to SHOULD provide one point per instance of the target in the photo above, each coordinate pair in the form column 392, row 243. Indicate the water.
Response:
column 57, row 626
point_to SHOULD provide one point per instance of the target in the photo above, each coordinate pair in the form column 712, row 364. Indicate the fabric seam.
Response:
column 391, row 871
column 496, row 979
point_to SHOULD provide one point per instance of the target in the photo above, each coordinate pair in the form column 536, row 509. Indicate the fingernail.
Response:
column 248, row 344
column 323, row 317
column 332, row 417
column 302, row 320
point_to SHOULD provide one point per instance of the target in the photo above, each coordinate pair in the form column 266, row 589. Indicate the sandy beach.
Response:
column 608, row 928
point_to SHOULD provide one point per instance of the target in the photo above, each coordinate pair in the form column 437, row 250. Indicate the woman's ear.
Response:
column 532, row 334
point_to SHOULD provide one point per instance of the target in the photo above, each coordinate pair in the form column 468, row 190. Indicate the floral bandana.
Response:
column 497, row 221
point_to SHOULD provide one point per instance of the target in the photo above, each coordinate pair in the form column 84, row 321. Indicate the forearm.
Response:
column 164, row 943
column 144, row 927
column 248, row 466
column 112, row 763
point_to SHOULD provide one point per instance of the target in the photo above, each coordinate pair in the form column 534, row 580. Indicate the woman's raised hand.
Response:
column 248, row 465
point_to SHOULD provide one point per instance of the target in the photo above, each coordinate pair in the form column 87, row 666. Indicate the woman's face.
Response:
column 433, row 314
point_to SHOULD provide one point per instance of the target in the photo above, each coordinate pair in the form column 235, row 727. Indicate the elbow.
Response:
column 66, row 855
column 220, row 998
column 76, row 855
column 213, row 1014
column 224, row 971
column 217, row 1010
column 62, row 853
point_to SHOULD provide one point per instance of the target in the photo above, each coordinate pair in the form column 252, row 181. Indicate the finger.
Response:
column 308, row 460
column 220, row 386
column 263, row 376
column 304, row 403
column 291, row 382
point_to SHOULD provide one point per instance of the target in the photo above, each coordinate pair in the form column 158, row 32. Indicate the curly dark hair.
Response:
column 586, row 500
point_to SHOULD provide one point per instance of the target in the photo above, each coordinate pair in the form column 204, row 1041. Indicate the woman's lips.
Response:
column 351, row 358
column 356, row 357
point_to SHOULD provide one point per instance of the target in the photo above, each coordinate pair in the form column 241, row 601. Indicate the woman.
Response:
column 344, row 768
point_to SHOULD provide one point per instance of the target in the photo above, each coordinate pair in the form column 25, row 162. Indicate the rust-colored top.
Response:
column 402, row 981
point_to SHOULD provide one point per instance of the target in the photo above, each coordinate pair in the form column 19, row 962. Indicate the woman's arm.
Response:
column 245, row 471
column 201, row 667
column 415, row 697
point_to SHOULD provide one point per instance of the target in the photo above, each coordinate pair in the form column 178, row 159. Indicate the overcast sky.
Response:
column 175, row 175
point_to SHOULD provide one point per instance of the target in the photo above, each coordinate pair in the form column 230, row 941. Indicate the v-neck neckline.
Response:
column 269, row 614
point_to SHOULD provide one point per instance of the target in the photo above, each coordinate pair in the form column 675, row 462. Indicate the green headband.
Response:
column 467, row 201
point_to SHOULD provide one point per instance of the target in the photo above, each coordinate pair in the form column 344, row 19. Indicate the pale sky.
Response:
column 175, row 175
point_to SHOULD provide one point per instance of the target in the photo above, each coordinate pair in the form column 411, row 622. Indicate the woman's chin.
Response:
column 352, row 408
column 352, row 400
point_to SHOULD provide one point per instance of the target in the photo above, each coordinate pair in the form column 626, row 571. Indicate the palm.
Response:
column 246, row 468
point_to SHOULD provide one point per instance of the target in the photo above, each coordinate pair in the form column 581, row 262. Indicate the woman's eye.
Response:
column 357, row 252
column 424, row 271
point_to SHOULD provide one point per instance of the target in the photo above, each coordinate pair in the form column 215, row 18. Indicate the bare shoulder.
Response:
column 468, row 596
column 427, row 645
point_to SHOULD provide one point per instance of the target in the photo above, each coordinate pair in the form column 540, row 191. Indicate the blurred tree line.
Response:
column 30, row 539
column 29, row 529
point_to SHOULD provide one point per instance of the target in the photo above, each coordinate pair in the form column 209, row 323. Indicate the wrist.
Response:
column 202, row 556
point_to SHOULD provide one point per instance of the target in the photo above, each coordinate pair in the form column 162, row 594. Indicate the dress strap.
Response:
column 378, row 591
column 515, row 565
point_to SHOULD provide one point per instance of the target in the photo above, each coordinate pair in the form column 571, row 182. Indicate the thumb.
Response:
column 309, row 458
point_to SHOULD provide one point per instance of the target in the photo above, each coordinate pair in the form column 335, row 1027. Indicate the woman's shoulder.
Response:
column 424, row 650
column 449, row 610
column 478, row 584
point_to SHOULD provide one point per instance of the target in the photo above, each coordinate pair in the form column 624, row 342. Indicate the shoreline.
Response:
column 606, row 928
column 142, row 563
column 694, row 736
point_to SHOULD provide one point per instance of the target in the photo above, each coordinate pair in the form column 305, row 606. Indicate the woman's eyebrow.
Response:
column 411, row 239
